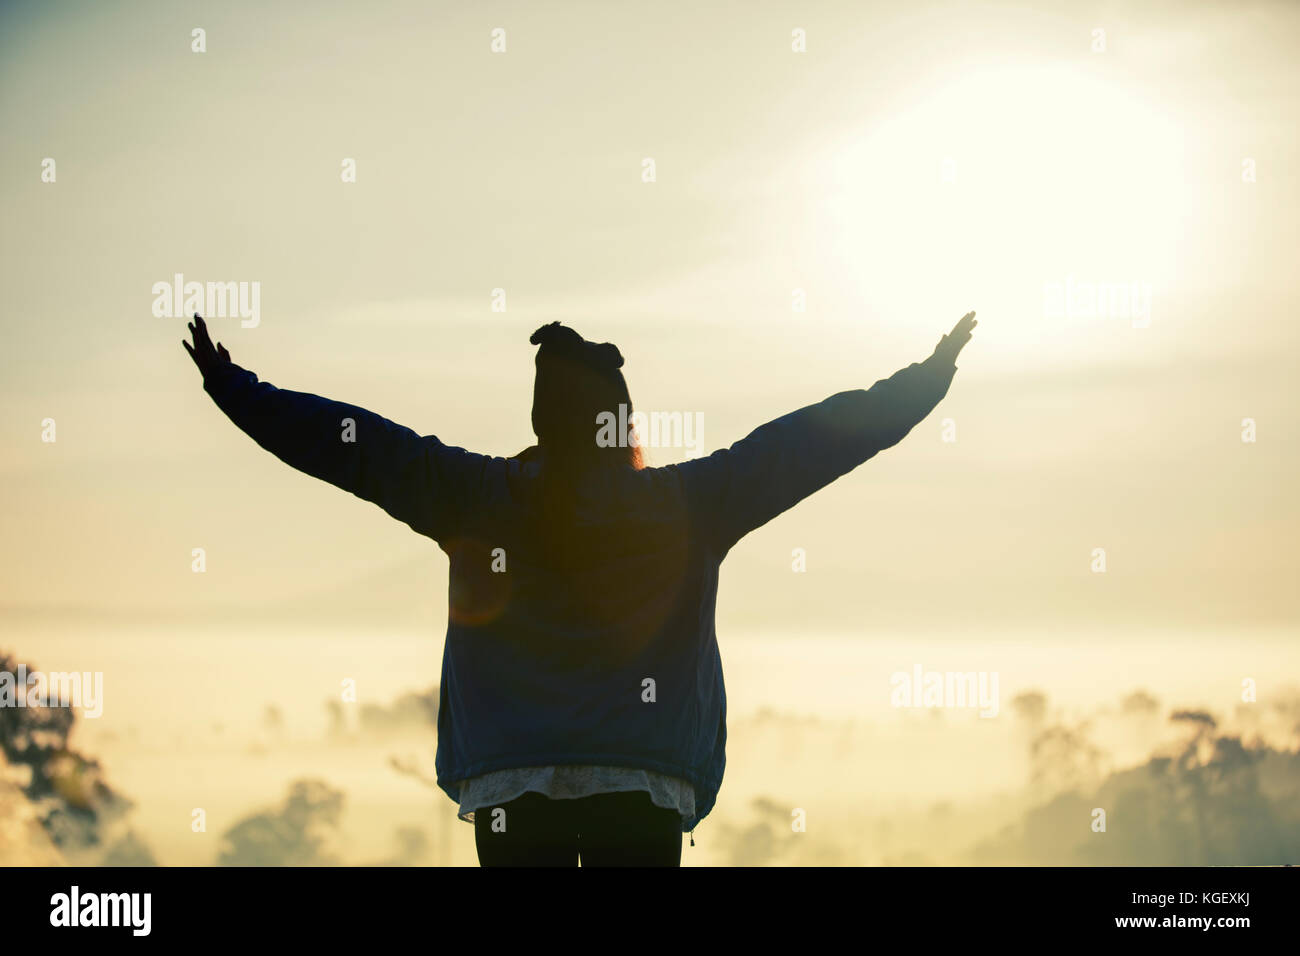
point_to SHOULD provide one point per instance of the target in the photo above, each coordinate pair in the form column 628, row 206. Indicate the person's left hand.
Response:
column 952, row 343
column 206, row 356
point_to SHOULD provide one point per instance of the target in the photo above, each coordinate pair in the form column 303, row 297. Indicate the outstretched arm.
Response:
column 740, row 488
column 418, row 480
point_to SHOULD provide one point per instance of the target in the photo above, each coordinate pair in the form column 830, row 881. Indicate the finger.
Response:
column 221, row 350
column 203, row 340
column 191, row 351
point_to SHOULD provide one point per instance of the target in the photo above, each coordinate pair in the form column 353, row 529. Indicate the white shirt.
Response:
column 570, row 783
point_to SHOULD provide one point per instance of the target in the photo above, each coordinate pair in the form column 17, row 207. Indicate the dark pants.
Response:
column 607, row 829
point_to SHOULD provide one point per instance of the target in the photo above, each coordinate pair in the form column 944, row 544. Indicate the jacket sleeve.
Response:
column 417, row 480
column 737, row 489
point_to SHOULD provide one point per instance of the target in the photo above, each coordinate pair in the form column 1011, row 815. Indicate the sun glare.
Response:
column 1001, row 183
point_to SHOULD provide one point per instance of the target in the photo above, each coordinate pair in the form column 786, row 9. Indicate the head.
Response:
column 576, row 381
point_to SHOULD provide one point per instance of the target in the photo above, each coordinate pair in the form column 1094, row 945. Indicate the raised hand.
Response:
column 952, row 343
column 206, row 356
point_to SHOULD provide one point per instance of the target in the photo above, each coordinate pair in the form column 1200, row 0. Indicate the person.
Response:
column 582, row 710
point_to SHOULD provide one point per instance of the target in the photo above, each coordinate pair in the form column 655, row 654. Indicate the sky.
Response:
column 911, row 163
column 822, row 171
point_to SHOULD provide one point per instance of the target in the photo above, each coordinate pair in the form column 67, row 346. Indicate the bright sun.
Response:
column 999, row 181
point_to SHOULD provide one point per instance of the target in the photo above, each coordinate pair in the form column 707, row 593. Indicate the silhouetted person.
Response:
column 582, row 709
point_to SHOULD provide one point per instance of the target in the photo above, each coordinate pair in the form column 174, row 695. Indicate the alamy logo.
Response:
column 24, row 688
column 102, row 909
column 1075, row 299
column 922, row 688
column 222, row 300
column 652, row 430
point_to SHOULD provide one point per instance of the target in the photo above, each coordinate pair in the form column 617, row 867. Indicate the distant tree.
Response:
column 65, row 788
column 129, row 851
column 294, row 835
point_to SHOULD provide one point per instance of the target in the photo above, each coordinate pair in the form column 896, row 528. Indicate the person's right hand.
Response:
column 206, row 356
column 952, row 343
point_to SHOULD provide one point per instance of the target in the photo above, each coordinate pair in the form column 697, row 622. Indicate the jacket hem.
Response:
column 704, row 798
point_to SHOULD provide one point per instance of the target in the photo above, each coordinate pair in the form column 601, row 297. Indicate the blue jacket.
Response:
column 608, row 655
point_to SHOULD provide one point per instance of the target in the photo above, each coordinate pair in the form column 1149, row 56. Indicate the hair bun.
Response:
column 608, row 355
column 562, row 340
column 555, row 334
